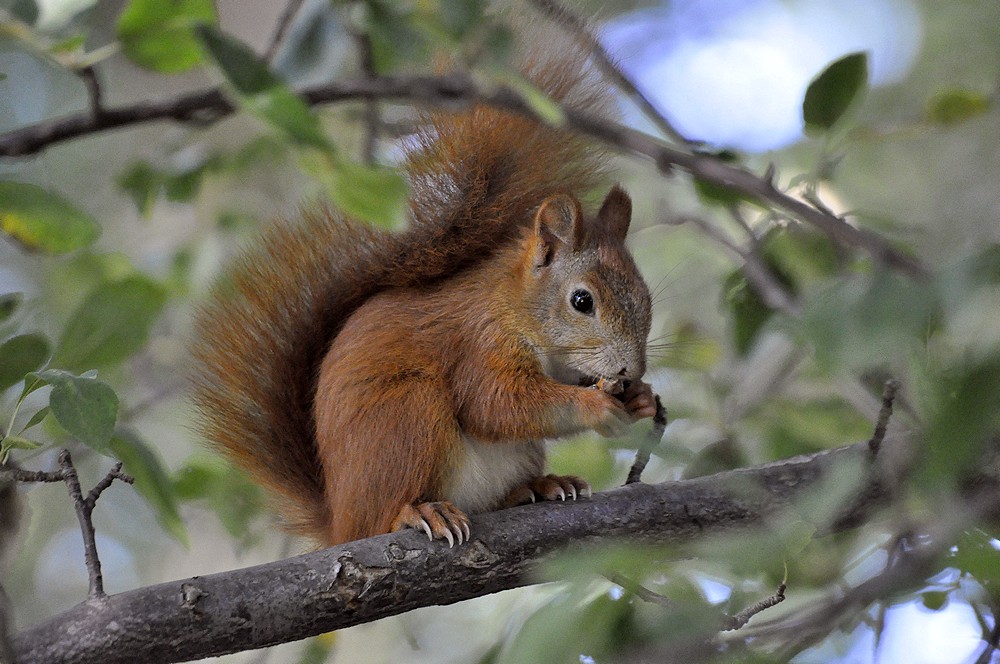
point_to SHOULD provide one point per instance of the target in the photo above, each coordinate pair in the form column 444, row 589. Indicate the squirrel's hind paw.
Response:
column 439, row 520
column 550, row 487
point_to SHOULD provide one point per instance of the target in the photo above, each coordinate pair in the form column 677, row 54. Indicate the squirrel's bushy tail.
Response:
column 475, row 177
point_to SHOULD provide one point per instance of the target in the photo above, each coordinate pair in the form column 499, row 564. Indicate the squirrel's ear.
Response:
column 616, row 213
column 559, row 221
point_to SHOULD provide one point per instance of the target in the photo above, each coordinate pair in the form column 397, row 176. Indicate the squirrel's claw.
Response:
column 439, row 520
column 550, row 487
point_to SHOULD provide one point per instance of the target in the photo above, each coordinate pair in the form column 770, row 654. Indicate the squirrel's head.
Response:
column 585, row 292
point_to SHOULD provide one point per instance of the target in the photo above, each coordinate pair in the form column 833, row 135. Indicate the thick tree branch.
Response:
column 211, row 105
column 382, row 576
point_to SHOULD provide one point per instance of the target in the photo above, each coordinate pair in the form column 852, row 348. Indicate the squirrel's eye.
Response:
column 582, row 301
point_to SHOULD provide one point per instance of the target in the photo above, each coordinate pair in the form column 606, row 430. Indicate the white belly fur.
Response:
column 489, row 471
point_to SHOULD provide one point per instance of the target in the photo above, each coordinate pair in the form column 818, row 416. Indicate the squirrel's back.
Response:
column 475, row 178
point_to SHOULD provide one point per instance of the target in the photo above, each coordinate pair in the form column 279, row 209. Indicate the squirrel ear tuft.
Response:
column 616, row 213
column 559, row 220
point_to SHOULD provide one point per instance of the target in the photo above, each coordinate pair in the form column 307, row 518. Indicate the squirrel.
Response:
column 372, row 381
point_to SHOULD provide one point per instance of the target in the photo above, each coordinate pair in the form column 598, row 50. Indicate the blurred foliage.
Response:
column 110, row 242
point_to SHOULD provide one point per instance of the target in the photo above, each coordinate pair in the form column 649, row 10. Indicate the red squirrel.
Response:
column 374, row 381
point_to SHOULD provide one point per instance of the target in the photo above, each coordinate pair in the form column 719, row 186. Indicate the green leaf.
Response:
column 460, row 16
column 69, row 45
column 724, row 454
column 862, row 320
column 374, row 194
column 229, row 493
column 183, row 187
column 394, row 37
column 592, row 626
column 18, row 443
column 953, row 107
column 159, row 34
column 42, row 221
column 964, row 417
column 19, row 355
column 934, row 599
column 9, row 443
column 749, row 312
column 110, row 325
column 151, row 480
column 9, row 303
column 831, row 93
column 802, row 426
column 977, row 555
column 712, row 193
column 85, row 407
column 317, row 649
column 25, row 11
column 142, row 183
column 37, row 418
column 261, row 92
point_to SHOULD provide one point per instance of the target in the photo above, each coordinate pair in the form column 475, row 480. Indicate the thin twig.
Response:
column 6, row 651
column 737, row 214
column 83, row 515
column 284, row 22
column 21, row 475
column 559, row 13
column 911, row 558
column 84, row 506
column 94, row 94
column 884, row 413
column 651, row 441
column 372, row 116
column 755, row 269
column 992, row 641
column 640, row 591
column 990, row 636
column 744, row 616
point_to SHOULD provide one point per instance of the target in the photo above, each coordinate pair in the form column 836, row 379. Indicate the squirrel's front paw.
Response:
column 605, row 414
column 440, row 520
column 550, row 487
column 639, row 400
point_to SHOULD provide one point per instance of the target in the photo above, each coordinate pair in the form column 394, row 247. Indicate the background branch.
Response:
column 372, row 117
column 281, row 28
column 576, row 25
column 756, row 270
column 459, row 89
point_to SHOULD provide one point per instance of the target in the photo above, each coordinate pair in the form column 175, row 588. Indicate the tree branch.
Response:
column 281, row 28
column 576, row 25
column 6, row 649
column 211, row 105
column 649, row 442
column 84, row 506
column 382, row 576
column 756, row 270
column 372, row 115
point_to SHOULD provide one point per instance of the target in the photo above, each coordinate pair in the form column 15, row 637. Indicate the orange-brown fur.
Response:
column 417, row 338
